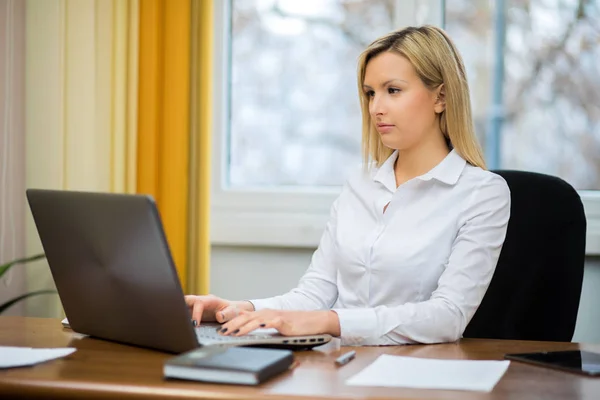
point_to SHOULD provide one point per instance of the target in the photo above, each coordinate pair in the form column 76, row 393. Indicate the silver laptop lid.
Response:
column 112, row 267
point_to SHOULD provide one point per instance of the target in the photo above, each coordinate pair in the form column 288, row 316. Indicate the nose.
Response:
column 376, row 106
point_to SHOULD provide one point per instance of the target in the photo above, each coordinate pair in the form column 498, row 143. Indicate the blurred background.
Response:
column 241, row 118
column 532, row 68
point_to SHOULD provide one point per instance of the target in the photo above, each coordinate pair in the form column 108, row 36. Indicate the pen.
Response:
column 345, row 358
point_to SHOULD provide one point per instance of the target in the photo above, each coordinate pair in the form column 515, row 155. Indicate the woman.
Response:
column 413, row 240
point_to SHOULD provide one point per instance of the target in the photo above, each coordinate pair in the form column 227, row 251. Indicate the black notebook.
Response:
column 237, row 365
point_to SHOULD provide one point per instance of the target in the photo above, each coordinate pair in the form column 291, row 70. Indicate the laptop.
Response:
column 115, row 276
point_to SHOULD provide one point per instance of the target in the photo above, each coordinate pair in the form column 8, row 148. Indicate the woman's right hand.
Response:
column 213, row 308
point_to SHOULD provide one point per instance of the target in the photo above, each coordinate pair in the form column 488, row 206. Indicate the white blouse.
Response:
column 416, row 273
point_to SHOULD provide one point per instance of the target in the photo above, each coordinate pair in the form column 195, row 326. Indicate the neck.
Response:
column 420, row 159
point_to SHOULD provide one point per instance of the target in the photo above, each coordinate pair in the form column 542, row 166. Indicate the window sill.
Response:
column 277, row 226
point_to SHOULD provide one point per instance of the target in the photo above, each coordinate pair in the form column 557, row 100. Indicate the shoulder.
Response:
column 360, row 175
column 486, row 188
column 358, row 183
column 478, row 179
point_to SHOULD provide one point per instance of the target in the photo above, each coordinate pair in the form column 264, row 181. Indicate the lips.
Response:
column 384, row 128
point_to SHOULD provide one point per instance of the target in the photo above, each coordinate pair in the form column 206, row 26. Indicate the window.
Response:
column 288, row 121
column 536, row 94
column 289, row 127
column 533, row 73
column 295, row 117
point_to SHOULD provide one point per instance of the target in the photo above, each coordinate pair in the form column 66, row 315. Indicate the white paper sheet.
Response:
column 426, row 373
column 24, row 356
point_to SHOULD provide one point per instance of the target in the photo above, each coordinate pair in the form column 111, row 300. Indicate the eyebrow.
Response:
column 386, row 82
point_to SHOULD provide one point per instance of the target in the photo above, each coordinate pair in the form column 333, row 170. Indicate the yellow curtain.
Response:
column 163, row 117
column 201, row 129
column 115, row 112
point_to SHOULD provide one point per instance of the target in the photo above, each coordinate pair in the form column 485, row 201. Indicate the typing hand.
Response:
column 213, row 308
column 288, row 323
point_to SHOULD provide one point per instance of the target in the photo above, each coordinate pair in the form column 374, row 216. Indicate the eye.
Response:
column 369, row 93
column 393, row 90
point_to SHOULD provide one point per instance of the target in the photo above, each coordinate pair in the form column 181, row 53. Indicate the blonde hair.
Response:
column 436, row 61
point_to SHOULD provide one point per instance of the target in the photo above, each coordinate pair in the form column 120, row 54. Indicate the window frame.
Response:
column 290, row 216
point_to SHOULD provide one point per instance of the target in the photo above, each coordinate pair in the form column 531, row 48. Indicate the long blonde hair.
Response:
column 436, row 61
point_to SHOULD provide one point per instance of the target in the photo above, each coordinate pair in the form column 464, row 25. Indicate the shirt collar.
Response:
column 447, row 171
column 385, row 174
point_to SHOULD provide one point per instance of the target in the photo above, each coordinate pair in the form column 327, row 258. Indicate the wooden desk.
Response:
column 101, row 369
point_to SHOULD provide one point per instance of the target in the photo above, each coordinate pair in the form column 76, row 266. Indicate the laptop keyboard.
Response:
column 211, row 333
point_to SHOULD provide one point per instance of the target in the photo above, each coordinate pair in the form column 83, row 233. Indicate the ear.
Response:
column 440, row 99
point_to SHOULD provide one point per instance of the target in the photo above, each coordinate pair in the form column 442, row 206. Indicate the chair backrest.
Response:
column 535, row 291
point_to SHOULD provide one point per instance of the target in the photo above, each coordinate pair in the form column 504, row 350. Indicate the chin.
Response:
column 394, row 144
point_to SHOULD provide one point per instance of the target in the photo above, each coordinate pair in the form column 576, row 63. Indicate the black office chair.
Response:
column 535, row 291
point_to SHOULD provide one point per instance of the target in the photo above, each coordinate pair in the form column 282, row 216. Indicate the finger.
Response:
column 228, row 313
column 197, row 311
column 232, row 326
column 190, row 300
column 251, row 325
column 279, row 324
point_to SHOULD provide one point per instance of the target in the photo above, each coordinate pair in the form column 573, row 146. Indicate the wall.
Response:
column 253, row 272
column 588, row 319
column 244, row 273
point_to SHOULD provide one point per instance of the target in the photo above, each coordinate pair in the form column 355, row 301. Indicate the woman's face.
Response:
column 402, row 108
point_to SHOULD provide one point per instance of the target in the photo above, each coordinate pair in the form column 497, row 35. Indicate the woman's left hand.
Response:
column 288, row 323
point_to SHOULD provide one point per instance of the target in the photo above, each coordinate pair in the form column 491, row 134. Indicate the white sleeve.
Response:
column 461, row 287
column 317, row 289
